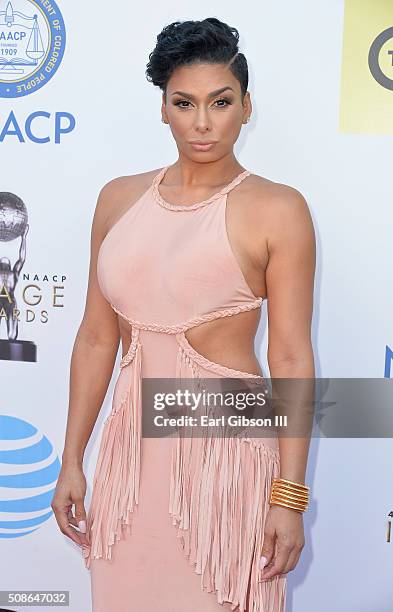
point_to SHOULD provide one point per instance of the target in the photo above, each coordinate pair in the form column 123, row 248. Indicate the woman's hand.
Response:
column 71, row 489
column 283, row 541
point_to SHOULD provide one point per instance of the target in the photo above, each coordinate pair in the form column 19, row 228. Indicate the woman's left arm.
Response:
column 290, row 284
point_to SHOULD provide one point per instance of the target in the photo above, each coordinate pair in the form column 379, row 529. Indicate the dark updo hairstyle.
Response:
column 190, row 42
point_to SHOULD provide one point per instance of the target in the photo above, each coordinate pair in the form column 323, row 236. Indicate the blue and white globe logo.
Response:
column 29, row 469
column 32, row 43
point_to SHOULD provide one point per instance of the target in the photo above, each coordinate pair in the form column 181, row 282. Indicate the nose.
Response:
column 202, row 122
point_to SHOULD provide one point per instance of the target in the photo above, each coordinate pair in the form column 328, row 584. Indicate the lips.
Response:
column 202, row 146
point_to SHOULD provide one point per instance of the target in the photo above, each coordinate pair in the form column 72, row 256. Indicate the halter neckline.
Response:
column 158, row 197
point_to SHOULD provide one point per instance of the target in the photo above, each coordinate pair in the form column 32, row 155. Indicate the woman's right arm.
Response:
column 92, row 361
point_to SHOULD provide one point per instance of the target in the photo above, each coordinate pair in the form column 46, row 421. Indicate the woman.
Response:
column 181, row 260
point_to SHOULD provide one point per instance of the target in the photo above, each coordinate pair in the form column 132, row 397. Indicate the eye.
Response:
column 179, row 102
column 224, row 100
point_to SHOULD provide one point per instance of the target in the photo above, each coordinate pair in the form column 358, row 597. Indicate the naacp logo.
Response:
column 32, row 43
column 380, row 59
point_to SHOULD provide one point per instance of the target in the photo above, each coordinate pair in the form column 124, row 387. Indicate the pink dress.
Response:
column 176, row 524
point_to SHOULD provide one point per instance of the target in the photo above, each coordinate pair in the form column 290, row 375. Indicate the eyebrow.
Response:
column 211, row 95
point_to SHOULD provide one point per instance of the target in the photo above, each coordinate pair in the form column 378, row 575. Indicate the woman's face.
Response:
column 203, row 102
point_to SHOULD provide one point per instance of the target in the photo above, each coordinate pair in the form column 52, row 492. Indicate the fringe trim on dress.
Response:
column 219, row 492
column 116, row 479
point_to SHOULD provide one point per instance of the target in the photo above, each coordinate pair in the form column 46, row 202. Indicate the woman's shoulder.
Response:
column 272, row 209
column 119, row 193
column 267, row 191
column 266, row 198
column 125, row 183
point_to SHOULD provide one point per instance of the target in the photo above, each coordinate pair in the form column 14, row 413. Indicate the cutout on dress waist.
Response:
column 195, row 353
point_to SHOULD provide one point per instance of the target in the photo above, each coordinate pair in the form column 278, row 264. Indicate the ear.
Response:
column 247, row 103
column 163, row 108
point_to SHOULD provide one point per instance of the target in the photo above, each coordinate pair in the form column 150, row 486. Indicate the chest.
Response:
column 157, row 263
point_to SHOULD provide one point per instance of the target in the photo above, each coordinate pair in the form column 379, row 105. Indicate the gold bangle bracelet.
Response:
column 289, row 502
column 286, row 489
column 292, row 483
column 290, row 496
column 277, row 503
column 290, row 488
column 276, row 496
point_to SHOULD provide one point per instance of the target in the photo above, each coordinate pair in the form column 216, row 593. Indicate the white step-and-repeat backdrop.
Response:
column 75, row 111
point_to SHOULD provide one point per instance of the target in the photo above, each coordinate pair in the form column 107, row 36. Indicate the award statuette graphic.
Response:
column 32, row 44
column 13, row 224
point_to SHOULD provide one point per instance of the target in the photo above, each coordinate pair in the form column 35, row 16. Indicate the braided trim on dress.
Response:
column 129, row 356
column 179, row 327
column 157, row 179
column 219, row 369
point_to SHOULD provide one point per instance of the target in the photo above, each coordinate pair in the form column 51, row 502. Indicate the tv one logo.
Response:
column 32, row 44
column 380, row 59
